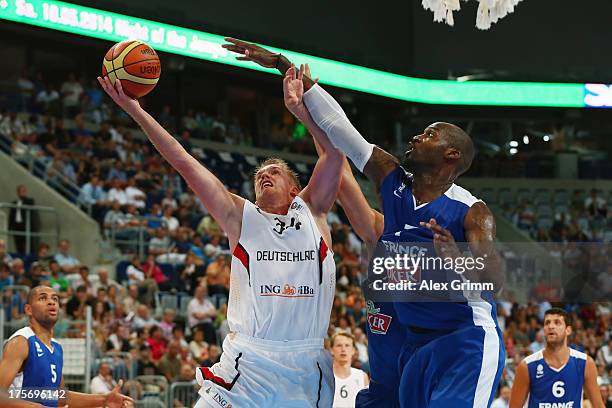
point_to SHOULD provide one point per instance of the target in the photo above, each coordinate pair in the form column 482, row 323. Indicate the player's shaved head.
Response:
column 457, row 138
column 34, row 292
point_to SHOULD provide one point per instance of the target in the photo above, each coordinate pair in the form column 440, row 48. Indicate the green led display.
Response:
column 110, row 26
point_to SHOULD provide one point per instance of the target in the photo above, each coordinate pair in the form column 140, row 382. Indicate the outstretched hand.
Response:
column 252, row 52
column 126, row 103
column 293, row 90
column 117, row 400
column 443, row 240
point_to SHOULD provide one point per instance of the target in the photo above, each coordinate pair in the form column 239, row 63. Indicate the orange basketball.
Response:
column 135, row 64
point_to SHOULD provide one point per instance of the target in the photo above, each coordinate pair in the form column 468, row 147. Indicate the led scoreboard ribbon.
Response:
column 115, row 27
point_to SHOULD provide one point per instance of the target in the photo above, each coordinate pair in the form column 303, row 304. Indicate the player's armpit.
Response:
column 520, row 388
column 15, row 353
column 590, row 384
column 380, row 164
column 479, row 227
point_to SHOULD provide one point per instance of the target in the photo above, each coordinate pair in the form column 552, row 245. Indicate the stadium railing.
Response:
column 31, row 215
column 183, row 394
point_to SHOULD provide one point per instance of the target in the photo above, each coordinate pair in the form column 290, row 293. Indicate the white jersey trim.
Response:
column 538, row 355
column 577, row 354
column 462, row 195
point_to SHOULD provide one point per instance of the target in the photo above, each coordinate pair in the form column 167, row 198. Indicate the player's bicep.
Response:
column 380, row 164
column 366, row 380
column 520, row 388
column 15, row 353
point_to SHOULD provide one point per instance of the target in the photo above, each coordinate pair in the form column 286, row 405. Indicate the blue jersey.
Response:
column 43, row 367
column 556, row 388
column 402, row 218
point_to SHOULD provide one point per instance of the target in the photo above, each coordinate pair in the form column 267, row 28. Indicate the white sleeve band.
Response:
column 332, row 120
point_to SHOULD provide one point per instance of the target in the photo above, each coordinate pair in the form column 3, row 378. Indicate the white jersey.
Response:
column 283, row 276
column 347, row 388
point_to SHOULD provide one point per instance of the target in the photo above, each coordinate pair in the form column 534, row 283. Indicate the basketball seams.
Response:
column 133, row 63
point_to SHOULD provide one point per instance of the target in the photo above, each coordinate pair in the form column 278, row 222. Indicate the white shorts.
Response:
column 263, row 373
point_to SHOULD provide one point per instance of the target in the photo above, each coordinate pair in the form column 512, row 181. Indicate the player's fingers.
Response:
column 244, row 58
column 234, row 48
column 235, row 41
column 307, row 70
column 433, row 221
column 301, row 73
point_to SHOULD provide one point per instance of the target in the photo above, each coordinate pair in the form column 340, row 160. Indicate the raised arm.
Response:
column 327, row 114
column 321, row 191
column 224, row 206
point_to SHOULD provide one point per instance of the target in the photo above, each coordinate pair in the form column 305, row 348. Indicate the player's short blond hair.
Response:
column 343, row 334
column 295, row 178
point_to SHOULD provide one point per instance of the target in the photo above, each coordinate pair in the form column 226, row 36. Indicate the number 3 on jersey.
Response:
column 53, row 374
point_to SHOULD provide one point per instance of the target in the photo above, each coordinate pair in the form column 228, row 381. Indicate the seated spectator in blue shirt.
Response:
column 67, row 262
column 5, row 276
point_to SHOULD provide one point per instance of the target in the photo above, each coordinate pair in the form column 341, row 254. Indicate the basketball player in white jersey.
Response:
column 32, row 361
column 556, row 376
column 283, row 274
column 349, row 380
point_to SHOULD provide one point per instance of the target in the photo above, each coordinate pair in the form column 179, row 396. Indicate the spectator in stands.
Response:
column 47, row 99
column 178, row 335
column 213, row 248
column 131, row 302
column 93, row 194
column 182, row 240
column 198, row 347
column 200, row 313
column 595, row 205
column 5, row 276
column 157, row 342
column 57, row 280
column 67, row 262
column 606, row 394
column 134, row 195
column 504, row 398
column 160, row 243
column 119, row 339
column 83, row 279
column 191, row 273
column 221, row 323
column 17, row 271
column 143, row 319
column 103, row 383
column 153, row 271
column 5, row 257
column 75, row 308
column 19, row 219
column 146, row 285
column 71, row 91
column 169, row 200
column 170, row 364
column 218, row 276
column 104, row 281
column 169, row 221
column 117, row 192
column 167, row 322
column 144, row 363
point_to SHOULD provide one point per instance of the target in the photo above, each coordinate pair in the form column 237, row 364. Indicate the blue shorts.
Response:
column 459, row 368
column 386, row 336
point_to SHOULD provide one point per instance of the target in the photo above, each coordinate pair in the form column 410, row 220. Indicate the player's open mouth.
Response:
column 266, row 184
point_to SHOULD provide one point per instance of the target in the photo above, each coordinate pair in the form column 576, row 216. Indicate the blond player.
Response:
column 349, row 380
column 282, row 279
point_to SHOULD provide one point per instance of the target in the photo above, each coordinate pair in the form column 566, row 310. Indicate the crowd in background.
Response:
column 134, row 195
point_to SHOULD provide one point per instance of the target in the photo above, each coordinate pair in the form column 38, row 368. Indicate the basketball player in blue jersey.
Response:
column 33, row 360
column 555, row 376
column 451, row 353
